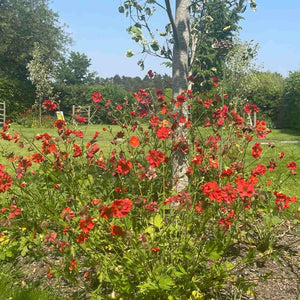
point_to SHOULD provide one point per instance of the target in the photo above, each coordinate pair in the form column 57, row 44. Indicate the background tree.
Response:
column 219, row 23
column 40, row 68
column 240, row 72
column 75, row 70
column 291, row 101
column 22, row 24
column 267, row 95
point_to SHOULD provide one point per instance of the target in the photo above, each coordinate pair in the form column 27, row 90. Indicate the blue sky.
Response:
column 99, row 31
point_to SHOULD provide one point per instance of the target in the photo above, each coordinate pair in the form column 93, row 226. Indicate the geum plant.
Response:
column 110, row 222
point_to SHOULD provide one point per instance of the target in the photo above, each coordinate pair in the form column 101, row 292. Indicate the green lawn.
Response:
column 278, row 137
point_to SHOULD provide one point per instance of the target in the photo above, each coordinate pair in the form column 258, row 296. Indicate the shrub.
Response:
column 110, row 222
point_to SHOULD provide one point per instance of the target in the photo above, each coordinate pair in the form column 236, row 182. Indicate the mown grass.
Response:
column 280, row 138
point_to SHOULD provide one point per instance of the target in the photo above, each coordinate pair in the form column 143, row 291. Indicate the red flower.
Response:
column 151, row 206
column 259, row 170
column 248, row 108
column 272, row 165
column 97, row 97
column 79, row 119
column 49, row 105
column 77, row 150
column 256, row 150
column 67, row 213
column 180, row 99
column 226, row 222
column 82, row 237
column 197, row 160
column 215, row 81
column 150, row 74
column 283, row 201
column 5, row 180
column 72, row 264
column 244, row 188
column 155, row 158
column 121, row 207
column 116, row 230
column 155, row 249
column 292, row 166
column 119, row 107
column 199, row 207
column 37, row 158
column 123, row 166
column 106, row 212
column 163, row 133
column 86, row 223
column 59, row 124
column 211, row 189
column 281, row 155
column 14, row 211
column 134, row 141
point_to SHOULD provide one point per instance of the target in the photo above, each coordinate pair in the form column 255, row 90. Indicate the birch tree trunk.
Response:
column 179, row 84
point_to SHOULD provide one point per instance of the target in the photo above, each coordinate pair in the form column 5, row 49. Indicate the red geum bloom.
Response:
column 211, row 189
column 67, row 213
column 259, row 170
column 272, row 165
column 150, row 74
column 281, row 155
column 292, row 166
column 248, row 108
column 261, row 129
column 197, row 160
column 226, row 222
column 199, row 207
column 121, row 207
column 180, row 99
column 256, row 150
column 77, row 150
column 155, row 158
column 134, row 141
column 106, row 212
column 60, row 124
column 228, row 193
column 244, row 188
column 49, row 105
column 86, row 223
column 5, row 180
column 163, row 132
column 283, row 201
column 82, row 237
column 215, row 81
column 92, row 151
column 79, row 119
column 155, row 249
column 14, row 211
column 96, row 97
column 123, row 166
column 37, row 158
column 227, row 173
column 151, row 206
column 119, row 107
column 72, row 264
column 116, row 230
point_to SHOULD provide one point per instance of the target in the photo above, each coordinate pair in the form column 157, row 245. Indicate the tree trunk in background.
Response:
column 179, row 84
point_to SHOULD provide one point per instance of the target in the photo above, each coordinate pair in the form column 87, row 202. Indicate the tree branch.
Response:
column 170, row 15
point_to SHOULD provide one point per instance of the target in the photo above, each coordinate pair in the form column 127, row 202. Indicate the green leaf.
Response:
column 154, row 45
column 121, row 9
column 129, row 53
column 157, row 221
column 165, row 282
